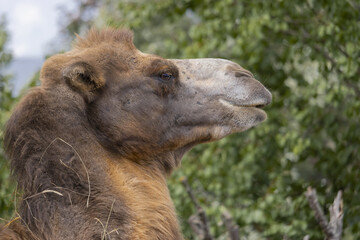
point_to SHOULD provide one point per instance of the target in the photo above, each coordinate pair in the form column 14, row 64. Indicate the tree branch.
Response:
column 232, row 228
column 336, row 216
column 198, row 222
column 332, row 230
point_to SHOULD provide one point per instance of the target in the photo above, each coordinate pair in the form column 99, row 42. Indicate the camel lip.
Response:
column 234, row 104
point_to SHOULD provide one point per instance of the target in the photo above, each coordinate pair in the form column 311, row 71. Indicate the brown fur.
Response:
column 92, row 146
column 57, row 158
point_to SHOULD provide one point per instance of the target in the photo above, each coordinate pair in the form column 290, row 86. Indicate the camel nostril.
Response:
column 239, row 74
column 238, row 70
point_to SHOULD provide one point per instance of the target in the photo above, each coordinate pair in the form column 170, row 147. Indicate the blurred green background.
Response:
column 306, row 52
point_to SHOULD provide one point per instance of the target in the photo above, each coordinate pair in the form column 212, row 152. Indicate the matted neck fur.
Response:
column 92, row 146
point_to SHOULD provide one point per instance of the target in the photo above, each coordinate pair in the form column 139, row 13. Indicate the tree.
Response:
column 6, row 102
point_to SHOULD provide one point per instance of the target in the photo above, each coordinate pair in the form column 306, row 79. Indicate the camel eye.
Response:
column 166, row 76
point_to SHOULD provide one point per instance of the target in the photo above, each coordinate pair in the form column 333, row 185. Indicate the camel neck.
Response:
column 146, row 195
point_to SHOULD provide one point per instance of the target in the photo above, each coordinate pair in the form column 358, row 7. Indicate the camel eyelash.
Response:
column 160, row 67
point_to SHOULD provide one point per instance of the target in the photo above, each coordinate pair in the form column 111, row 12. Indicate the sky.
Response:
column 32, row 24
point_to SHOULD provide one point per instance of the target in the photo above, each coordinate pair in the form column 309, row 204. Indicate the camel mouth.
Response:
column 230, row 103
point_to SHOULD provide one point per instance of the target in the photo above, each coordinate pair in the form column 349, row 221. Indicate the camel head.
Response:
column 143, row 106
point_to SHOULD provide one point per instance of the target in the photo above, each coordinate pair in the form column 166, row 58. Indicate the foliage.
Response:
column 79, row 20
column 307, row 53
column 6, row 102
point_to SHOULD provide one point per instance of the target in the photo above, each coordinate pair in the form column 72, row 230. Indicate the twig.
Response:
column 333, row 229
column 198, row 222
column 319, row 214
column 336, row 216
column 232, row 228
column 307, row 237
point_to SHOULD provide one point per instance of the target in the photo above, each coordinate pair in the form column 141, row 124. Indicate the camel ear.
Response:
column 83, row 77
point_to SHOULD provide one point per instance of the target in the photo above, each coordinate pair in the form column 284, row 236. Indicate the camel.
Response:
column 91, row 147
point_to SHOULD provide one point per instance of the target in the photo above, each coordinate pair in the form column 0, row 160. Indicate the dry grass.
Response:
column 105, row 227
column 78, row 155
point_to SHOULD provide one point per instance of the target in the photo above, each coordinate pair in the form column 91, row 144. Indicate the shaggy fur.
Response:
column 92, row 146
column 72, row 189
